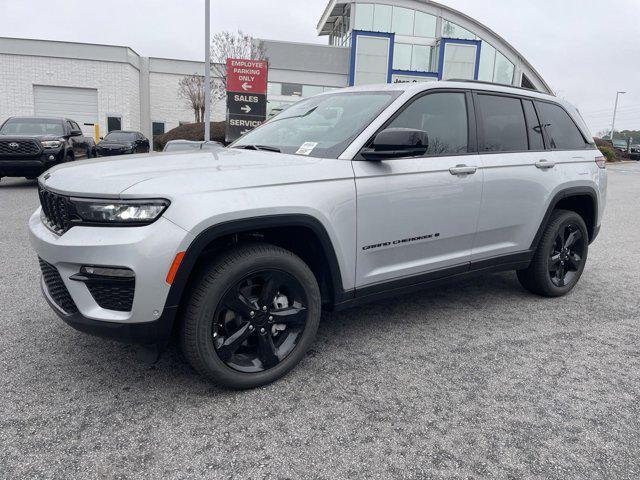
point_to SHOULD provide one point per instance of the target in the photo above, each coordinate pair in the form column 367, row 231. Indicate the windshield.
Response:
column 120, row 137
column 181, row 146
column 32, row 127
column 321, row 126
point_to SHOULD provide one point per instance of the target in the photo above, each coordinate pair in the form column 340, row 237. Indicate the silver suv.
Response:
column 343, row 198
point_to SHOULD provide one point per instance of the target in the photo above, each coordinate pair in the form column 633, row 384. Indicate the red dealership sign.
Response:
column 246, row 76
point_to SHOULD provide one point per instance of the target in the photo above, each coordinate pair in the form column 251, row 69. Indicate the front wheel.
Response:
column 560, row 258
column 251, row 316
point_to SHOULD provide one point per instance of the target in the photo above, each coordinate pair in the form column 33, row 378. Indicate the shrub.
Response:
column 190, row 131
column 609, row 153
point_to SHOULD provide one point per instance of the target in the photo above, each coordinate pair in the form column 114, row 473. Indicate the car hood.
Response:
column 104, row 143
column 167, row 175
column 24, row 137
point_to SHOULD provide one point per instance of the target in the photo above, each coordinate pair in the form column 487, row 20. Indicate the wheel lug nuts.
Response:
column 251, row 327
column 271, row 319
column 264, row 309
column 262, row 330
column 252, row 313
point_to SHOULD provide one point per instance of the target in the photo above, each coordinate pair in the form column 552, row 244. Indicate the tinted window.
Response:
column 158, row 128
column 114, row 123
column 562, row 132
column 444, row 117
column 321, row 126
column 121, row 137
column 502, row 127
column 28, row 126
column 536, row 142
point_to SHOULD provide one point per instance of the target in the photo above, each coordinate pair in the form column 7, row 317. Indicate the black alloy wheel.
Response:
column 566, row 258
column 250, row 315
column 259, row 321
column 560, row 256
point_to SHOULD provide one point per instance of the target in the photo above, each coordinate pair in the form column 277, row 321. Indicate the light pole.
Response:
column 207, row 71
column 615, row 111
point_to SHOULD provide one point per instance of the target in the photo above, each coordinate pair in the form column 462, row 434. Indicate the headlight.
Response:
column 125, row 212
column 51, row 143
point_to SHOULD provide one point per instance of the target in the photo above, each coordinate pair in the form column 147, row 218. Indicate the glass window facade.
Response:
column 459, row 61
column 451, row 30
column 382, row 18
column 425, row 25
column 504, row 69
column 372, row 60
column 403, row 20
column 414, row 49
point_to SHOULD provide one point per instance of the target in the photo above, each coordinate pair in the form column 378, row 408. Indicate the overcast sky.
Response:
column 585, row 49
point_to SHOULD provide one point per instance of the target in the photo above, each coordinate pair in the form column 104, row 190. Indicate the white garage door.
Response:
column 79, row 104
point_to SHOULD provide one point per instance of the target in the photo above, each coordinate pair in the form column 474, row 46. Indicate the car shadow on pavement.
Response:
column 17, row 184
column 108, row 364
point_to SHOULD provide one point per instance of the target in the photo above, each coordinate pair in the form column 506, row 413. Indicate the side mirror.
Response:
column 75, row 133
column 397, row 143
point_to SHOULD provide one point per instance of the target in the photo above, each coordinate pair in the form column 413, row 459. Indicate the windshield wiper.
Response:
column 266, row 148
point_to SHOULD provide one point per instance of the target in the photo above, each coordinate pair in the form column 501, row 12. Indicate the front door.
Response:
column 419, row 215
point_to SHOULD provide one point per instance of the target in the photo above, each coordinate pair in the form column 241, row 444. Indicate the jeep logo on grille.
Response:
column 14, row 145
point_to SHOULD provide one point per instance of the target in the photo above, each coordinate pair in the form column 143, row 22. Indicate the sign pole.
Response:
column 207, row 71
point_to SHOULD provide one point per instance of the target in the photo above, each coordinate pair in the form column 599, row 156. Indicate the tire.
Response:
column 206, row 337
column 555, row 269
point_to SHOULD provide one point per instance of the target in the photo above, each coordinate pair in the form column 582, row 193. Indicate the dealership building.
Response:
column 368, row 42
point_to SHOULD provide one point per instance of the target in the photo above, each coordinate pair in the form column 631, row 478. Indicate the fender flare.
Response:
column 566, row 193
column 214, row 232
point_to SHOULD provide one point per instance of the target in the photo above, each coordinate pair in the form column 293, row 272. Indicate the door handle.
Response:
column 544, row 165
column 463, row 170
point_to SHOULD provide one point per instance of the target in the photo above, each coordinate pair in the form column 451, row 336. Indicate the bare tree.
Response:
column 191, row 89
column 223, row 45
column 231, row 45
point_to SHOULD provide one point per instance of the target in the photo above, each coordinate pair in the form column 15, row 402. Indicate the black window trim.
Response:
column 588, row 145
column 480, row 121
column 472, row 142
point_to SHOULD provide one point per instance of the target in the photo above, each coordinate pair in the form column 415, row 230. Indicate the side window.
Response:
column 75, row 126
column 561, row 130
column 536, row 141
column 503, row 128
column 69, row 125
column 444, row 117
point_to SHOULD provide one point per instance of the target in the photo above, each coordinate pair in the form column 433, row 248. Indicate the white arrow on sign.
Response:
column 246, row 86
column 246, row 109
column 244, row 131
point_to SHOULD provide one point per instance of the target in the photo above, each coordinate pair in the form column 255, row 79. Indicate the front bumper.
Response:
column 148, row 251
column 29, row 166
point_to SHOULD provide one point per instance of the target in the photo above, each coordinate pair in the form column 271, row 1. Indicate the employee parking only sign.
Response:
column 246, row 96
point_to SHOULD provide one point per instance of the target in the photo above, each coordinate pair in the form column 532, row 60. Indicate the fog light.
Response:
column 51, row 157
column 108, row 272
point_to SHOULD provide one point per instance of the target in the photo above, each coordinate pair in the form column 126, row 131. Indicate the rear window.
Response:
column 32, row 127
column 562, row 132
column 120, row 137
column 503, row 128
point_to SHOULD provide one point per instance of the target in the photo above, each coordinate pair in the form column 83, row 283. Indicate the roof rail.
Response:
column 482, row 82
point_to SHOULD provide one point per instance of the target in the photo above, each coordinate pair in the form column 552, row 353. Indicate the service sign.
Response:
column 247, row 76
column 246, row 96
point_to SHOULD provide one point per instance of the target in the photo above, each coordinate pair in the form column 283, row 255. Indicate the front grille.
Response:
column 23, row 148
column 58, row 210
column 113, row 295
column 56, row 288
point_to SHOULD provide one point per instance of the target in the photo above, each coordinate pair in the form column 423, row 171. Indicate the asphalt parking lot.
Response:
column 476, row 380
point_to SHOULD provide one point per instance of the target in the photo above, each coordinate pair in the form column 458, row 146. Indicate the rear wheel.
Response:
column 560, row 258
column 251, row 316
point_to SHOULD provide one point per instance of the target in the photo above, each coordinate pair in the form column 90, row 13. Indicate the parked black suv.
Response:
column 29, row 146
column 121, row 142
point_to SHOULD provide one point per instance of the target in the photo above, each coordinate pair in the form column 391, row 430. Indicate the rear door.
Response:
column 520, row 175
column 419, row 215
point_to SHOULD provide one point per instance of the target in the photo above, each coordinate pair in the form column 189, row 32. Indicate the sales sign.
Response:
column 246, row 96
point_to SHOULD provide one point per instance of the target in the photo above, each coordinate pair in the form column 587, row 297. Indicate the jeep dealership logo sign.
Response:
column 246, row 96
